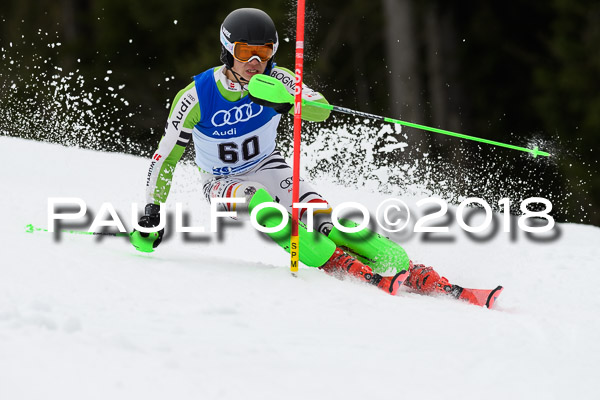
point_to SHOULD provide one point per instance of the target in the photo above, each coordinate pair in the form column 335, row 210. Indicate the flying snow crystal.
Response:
column 375, row 157
column 41, row 101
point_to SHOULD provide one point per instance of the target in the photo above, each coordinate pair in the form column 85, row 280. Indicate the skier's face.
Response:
column 248, row 69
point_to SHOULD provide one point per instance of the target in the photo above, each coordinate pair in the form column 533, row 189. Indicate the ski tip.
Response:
column 491, row 300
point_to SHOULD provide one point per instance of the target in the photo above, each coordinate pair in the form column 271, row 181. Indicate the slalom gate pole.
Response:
column 344, row 110
column 295, row 239
column 30, row 229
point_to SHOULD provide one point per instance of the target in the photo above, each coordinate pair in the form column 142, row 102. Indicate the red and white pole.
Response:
column 295, row 240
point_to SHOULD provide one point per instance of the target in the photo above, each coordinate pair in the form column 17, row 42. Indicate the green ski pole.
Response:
column 271, row 89
column 30, row 229
column 137, row 241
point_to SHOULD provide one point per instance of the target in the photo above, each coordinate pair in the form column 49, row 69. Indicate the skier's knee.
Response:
column 320, row 213
column 241, row 191
column 247, row 190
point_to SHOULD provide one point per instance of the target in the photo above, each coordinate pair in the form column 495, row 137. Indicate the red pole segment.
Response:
column 294, row 240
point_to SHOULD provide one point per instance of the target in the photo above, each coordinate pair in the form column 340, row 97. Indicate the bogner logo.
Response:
column 230, row 132
column 184, row 105
column 285, row 79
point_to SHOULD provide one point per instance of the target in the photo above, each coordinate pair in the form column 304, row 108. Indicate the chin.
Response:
column 251, row 75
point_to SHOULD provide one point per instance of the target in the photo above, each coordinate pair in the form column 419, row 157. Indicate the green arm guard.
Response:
column 273, row 90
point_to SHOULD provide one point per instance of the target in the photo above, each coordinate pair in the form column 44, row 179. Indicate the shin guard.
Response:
column 315, row 248
column 379, row 252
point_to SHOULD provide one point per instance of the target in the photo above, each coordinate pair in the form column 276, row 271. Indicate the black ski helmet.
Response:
column 248, row 25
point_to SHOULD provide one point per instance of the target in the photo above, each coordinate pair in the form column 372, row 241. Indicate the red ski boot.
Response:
column 425, row 280
column 340, row 264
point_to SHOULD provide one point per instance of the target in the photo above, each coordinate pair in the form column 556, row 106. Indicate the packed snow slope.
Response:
column 221, row 318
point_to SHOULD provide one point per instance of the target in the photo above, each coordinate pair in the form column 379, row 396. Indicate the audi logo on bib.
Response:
column 234, row 115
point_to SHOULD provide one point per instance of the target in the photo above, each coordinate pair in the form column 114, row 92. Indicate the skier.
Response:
column 234, row 138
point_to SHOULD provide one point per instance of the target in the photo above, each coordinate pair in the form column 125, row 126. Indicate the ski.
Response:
column 480, row 297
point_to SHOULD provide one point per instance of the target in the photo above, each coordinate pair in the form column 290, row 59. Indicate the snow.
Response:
column 221, row 317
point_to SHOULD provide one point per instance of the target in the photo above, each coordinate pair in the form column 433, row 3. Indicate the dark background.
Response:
column 522, row 72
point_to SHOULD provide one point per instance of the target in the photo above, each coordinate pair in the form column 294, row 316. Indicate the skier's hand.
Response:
column 281, row 108
column 147, row 242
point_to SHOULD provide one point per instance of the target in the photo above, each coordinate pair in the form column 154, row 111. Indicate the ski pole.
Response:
column 30, row 229
column 140, row 244
column 271, row 89
column 344, row 110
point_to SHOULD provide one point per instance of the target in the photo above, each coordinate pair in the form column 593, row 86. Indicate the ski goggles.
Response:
column 243, row 52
